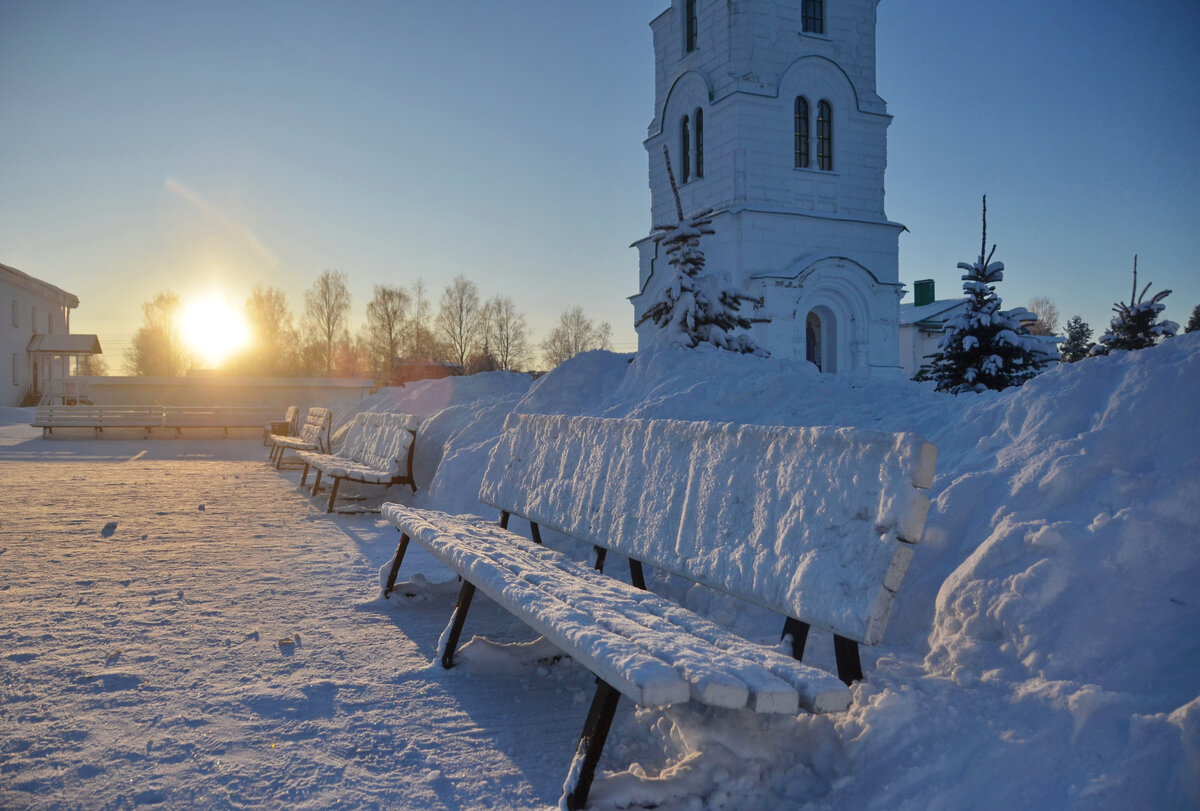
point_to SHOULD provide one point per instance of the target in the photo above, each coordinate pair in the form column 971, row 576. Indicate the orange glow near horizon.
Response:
column 214, row 330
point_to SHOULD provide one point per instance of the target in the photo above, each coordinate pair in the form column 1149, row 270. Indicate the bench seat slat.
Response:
column 616, row 614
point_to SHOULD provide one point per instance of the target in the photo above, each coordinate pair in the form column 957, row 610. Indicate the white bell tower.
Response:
column 770, row 113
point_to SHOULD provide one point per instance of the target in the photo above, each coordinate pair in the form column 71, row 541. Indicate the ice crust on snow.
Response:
column 803, row 521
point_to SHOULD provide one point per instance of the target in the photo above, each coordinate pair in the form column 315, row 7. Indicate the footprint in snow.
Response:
column 109, row 529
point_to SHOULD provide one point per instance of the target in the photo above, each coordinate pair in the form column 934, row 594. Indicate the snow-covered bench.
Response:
column 313, row 436
column 148, row 417
column 812, row 523
column 288, row 426
column 378, row 449
column 223, row 417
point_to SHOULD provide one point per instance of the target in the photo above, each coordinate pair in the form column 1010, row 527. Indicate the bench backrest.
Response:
column 292, row 418
column 317, row 423
column 380, row 440
column 814, row 523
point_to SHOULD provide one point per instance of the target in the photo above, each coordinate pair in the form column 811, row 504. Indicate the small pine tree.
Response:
column 1193, row 323
column 696, row 307
column 986, row 347
column 1079, row 340
column 1136, row 324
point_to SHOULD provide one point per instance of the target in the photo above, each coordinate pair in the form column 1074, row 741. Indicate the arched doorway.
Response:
column 812, row 340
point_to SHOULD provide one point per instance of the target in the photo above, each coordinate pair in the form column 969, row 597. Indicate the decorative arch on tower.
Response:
column 829, row 296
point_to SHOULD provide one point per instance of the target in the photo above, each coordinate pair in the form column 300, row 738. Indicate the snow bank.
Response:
column 1048, row 629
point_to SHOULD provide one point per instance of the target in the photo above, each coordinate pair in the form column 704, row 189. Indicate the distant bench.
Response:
column 149, row 417
column 811, row 523
column 378, row 449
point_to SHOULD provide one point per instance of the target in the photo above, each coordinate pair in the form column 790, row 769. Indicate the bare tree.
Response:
column 326, row 308
column 1047, row 316
column 273, row 349
column 574, row 333
column 459, row 321
column 387, row 323
column 419, row 340
column 157, row 347
column 506, row 334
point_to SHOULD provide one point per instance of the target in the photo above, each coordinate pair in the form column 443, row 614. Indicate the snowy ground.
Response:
column 179, row 626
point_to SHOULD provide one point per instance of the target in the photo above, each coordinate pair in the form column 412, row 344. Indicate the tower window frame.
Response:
column 685, row 150
column 812, row 17
column 825, row 136
column 691, row 26
column 802, row 117
column 698, row 141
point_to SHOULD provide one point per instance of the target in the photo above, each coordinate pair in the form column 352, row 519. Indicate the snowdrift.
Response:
column 1045, row 649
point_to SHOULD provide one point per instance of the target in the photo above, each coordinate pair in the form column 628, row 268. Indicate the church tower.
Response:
column 770, row 113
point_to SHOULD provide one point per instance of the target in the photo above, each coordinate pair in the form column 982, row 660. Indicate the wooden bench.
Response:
column 313, row 436
column 814, row 524
column 288, row 426
column 378, row 449
column 148, row 417
column 223, row 417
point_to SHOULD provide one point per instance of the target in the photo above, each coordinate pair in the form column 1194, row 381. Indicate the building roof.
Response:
column 935, row 313
column 65, row 344
column 22, row 279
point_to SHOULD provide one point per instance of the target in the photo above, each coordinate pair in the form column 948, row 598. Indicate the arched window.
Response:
column 685, row 150
column 699, row 143
column 813, row 16
column 801, row 128
column 824, row 136
column 690, row 26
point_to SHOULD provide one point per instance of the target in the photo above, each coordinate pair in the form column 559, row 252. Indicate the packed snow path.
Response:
column 196, row 633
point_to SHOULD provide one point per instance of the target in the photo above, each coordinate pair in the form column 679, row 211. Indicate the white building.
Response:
column 35, row 341
column 771, row 116
column 922, row 324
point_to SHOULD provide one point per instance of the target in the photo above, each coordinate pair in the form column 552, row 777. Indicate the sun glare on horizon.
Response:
column 213, row 329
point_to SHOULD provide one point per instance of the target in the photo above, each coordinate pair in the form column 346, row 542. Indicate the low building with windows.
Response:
column 922, row 325
column 36, row 344
column 772, row 120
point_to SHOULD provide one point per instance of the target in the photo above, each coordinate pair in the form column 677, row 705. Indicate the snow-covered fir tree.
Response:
column 697, row 307
column 1078, row 342
column 1136, row 325
column 986, row 347
column 1193, row 323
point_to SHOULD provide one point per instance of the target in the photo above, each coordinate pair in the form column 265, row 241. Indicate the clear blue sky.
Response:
column 208, row 146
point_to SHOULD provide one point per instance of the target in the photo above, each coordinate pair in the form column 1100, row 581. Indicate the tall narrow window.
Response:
column 824, row 136
column 690, row 26
column 699, row 142
column 685, row 150
column 801, row 132
column 16, row 322
column 33, row 320
column 813, row 16
column 16, row 380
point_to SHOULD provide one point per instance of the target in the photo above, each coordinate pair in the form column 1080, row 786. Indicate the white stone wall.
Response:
column 750, row 63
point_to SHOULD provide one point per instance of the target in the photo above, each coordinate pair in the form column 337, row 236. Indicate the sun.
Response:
column 213, row 329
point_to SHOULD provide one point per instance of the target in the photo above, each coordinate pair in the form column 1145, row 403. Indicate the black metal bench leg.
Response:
column 304, row 476
column 456, row 623
column 401, row 548
column 591, row 743
column 601, row 554
column 279, row 458
column 636, row 577
column 799, row 633
column 535, row 532
column 848, row 664
column 333, row 494
column 316, row 483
